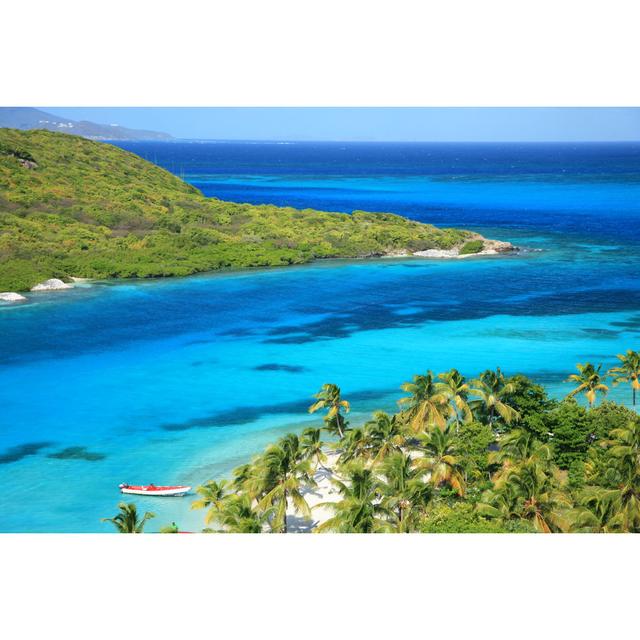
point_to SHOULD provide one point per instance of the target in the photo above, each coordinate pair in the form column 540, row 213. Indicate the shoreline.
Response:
column 490, row 248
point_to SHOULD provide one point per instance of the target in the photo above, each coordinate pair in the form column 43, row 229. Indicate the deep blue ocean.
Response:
column 180, row 380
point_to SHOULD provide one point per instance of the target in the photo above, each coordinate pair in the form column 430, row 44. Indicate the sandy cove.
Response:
column 325, row 491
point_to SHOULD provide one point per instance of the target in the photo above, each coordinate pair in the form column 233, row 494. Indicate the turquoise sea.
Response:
column 180, row 380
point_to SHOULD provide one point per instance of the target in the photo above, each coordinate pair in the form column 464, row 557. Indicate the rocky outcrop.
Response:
column 53, row 284
column 489, row 248
column 497, row 246
column 28, row 164
column 11, row 296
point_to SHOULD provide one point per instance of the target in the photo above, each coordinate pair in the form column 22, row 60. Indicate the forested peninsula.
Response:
column 71, row 207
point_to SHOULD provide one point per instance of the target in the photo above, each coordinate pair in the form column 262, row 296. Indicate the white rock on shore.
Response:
column 437, row 253
column 11, row 296
column 53, row 284
column 490, row 248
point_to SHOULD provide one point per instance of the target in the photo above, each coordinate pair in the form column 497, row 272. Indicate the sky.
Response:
column 412, row 124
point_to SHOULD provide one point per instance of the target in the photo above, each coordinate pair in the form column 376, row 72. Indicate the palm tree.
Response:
column 626, row 497
column 426, row 405
column 528, row 493
column 597, row 512
column 520, row 450
column 404, row 492
column 360, row 509
column 355, row 444
column 627, row 371
column 329, row 397
column 589, row 382
column 237, row 515
column 281, row 473
column 312, row 444
column 520, row 447
column 385, row 434
column 499, row 504
column 440, row 460
column 542, row 502
column 625, row 444
column 241, row 475
column 212, row 496
column 624, row 451
column 455, row 388
column 127, row 521
column 493, row 390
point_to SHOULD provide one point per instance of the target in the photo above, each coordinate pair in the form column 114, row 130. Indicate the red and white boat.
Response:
column 153, row 490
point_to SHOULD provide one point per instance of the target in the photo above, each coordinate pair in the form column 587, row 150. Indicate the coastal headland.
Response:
column 75, row 208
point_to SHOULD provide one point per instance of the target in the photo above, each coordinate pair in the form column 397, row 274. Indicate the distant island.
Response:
column 75, row 208
column 27, row 118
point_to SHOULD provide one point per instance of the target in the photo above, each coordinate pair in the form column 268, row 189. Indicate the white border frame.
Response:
column 285, row 52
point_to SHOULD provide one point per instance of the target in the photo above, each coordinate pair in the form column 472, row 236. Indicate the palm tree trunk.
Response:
column 634, row 396
column 284, row 519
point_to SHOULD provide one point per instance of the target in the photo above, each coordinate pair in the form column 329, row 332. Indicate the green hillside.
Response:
column 73, row 207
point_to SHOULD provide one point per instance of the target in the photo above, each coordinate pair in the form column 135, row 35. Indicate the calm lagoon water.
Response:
column 180, row 380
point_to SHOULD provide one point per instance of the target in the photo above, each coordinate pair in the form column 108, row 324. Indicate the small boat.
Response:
column 153, row 490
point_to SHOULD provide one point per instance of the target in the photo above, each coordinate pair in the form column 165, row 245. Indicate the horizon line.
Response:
column 306, row 141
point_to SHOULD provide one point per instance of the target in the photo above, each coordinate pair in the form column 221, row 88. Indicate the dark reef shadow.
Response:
column 276, row 366
column 14, row 454
column 77, row 453
column 246, row 415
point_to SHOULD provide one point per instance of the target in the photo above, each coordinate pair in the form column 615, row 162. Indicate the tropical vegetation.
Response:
column 472, row 246
column 628, row 371
column 127, row 520
column 71, row 207
column 488, row 454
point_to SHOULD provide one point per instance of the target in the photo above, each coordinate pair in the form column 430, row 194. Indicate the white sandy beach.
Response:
column 325, row 491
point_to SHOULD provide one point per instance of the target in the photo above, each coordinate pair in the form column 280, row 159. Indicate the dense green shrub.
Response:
column 463, row 518
column 90, row 209
column 472, row 246
column 475, row 440
column 608, row 416
column 571, row 433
